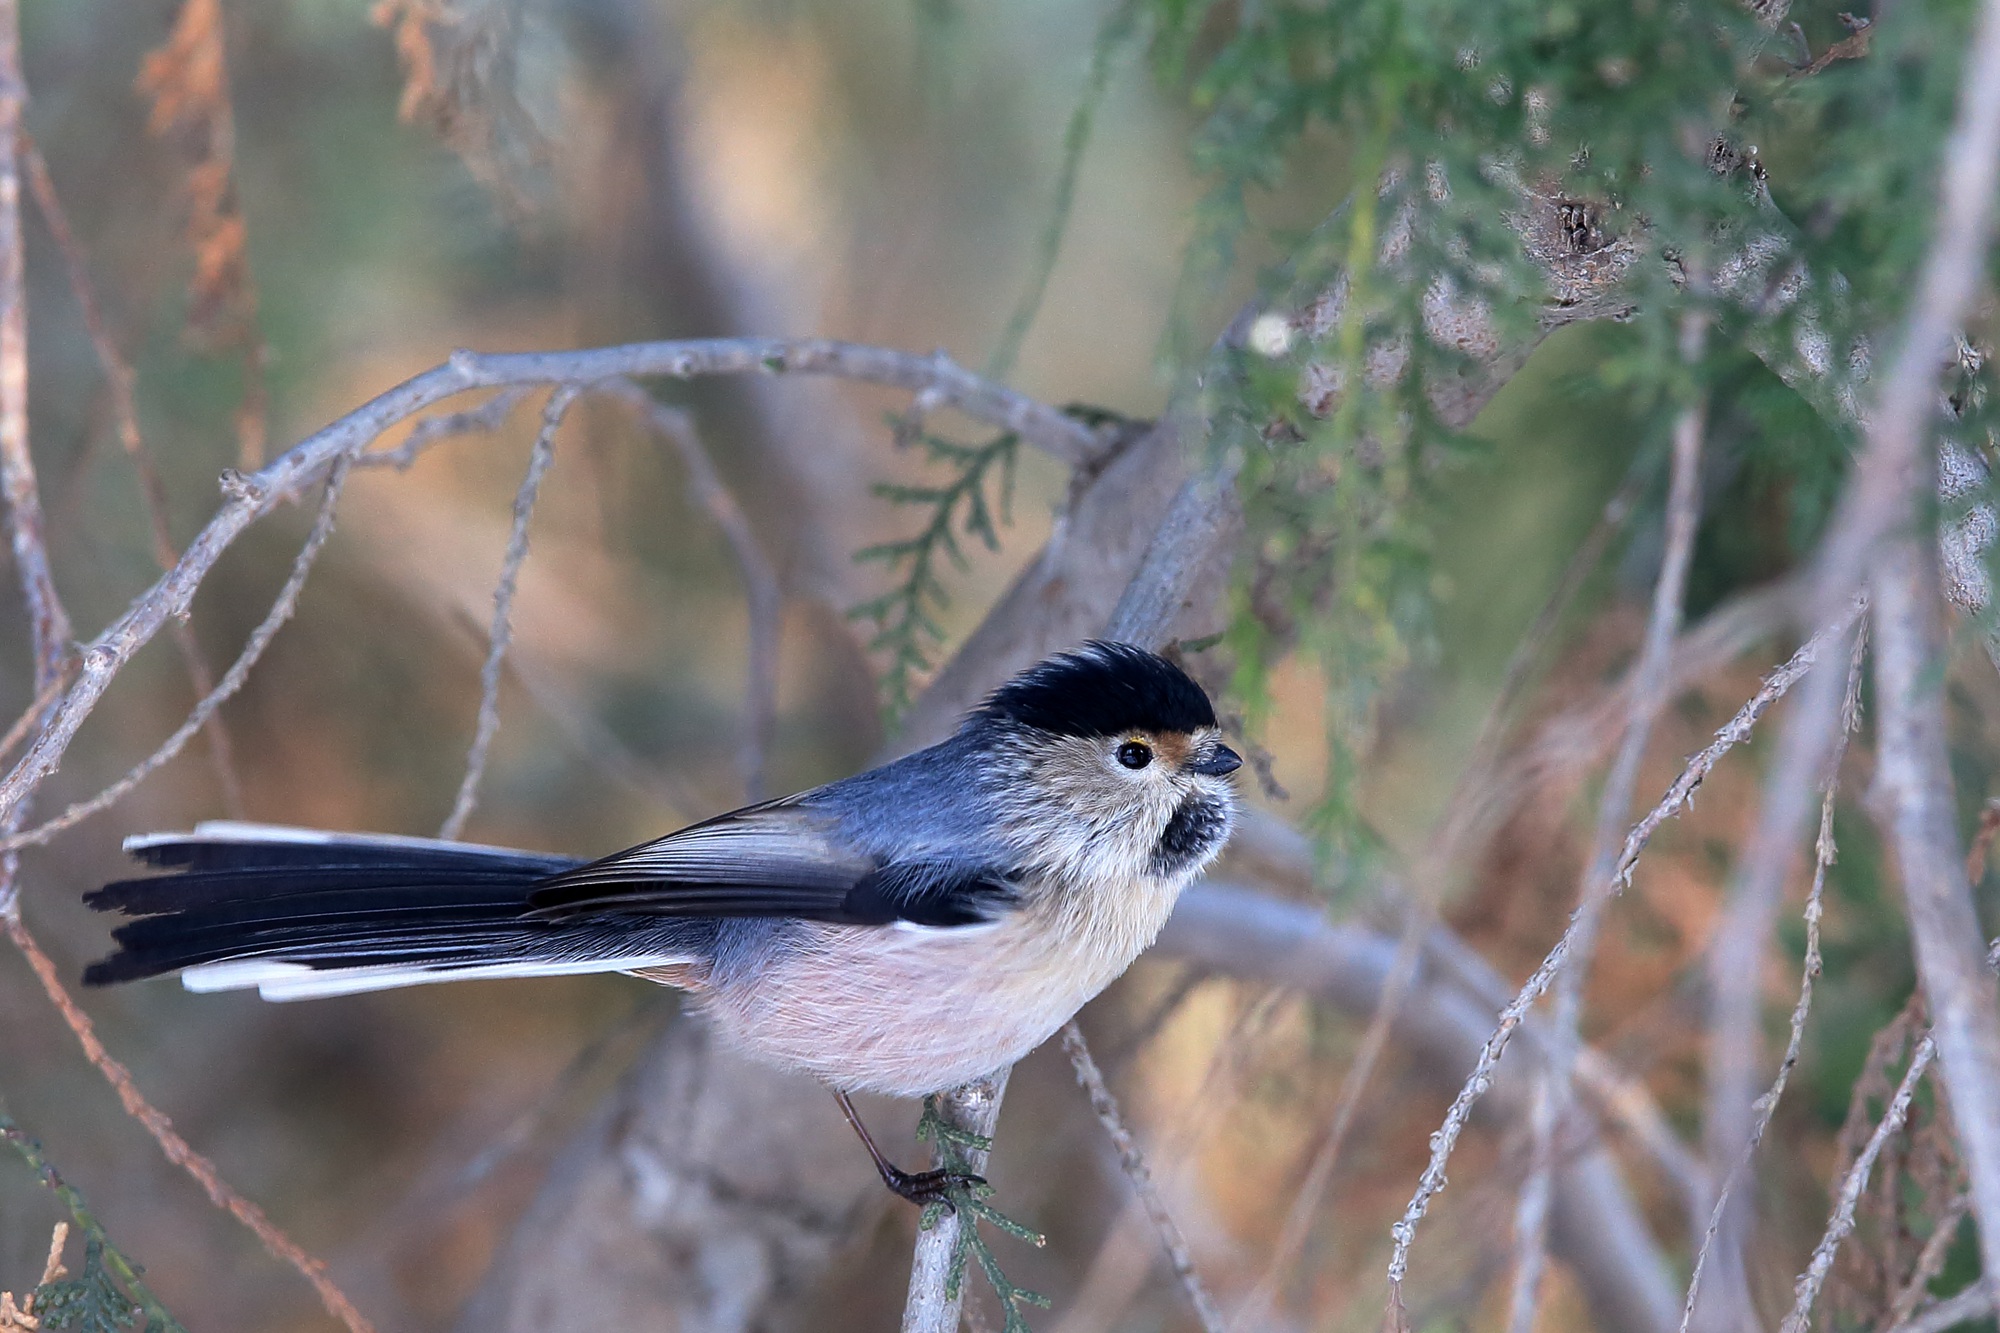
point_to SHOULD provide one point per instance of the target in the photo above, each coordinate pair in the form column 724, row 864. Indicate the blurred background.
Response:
column 876, row 170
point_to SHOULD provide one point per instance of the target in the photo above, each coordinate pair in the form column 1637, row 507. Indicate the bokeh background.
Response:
column 878, row 170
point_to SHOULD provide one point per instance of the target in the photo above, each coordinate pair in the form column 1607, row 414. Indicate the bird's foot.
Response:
column 924, row 1188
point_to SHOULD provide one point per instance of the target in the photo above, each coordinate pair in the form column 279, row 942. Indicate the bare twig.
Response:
column 119, row 378
column 1133, row 1161
column 1975, row 1302
column 761, row 592
column 1732, row 733
column 1914, row 790
column 1842, row 1221
column 177, row 1149
column 488, row 416
column 1735, row 1067
column 1930, row 1260
column 282, row 607
column 1650, row 681
column 31, row 716
column 502, row 632
column 1767, row 1106
column 49, row 621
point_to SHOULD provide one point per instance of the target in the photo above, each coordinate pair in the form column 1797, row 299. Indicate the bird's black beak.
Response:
column 1220, row 761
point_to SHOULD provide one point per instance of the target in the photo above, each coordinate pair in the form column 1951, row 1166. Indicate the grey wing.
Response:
column 780, row 859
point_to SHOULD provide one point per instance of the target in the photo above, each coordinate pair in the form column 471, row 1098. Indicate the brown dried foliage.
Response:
column 19, row 1317
column 458, row 81
column 1916, row 1189
column 187, row 80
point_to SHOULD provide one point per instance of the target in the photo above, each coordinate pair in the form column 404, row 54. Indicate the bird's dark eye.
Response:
column 1135, row 754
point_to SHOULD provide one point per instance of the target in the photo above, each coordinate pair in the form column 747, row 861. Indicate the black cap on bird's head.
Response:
column 1101, row 689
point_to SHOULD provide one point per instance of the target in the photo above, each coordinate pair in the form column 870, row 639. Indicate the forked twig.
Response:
column 1842, row 1221
column 1767, row 1106
column 1731, row 734
column 488, row 416
column 250, row 498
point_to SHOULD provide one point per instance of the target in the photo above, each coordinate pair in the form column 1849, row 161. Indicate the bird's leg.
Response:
column 919, row 1187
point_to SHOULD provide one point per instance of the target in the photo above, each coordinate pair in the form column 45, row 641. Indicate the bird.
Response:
column 900, row 931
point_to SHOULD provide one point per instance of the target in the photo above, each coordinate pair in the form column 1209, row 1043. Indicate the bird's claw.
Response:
column 928, row 1187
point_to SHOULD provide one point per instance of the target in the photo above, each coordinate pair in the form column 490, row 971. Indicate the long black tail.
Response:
column 299, row 913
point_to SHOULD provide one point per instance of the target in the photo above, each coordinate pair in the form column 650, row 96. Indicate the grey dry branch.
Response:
column 1913, row 791
column 1731, row 734
column 1766, row 1107
column 1651, row 678
column 249, row 498
column 282, row 608
column 487, row 723
column 1133, row 1161
column 1914, row 775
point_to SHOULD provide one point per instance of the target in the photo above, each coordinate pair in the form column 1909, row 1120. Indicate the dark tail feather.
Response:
column 298, row 913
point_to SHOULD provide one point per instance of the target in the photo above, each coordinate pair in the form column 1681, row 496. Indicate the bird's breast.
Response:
column 907, row 1011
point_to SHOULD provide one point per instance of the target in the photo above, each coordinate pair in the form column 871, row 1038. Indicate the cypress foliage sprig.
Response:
column 905, row 620
column 953, row 1144
column 110, row 1293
